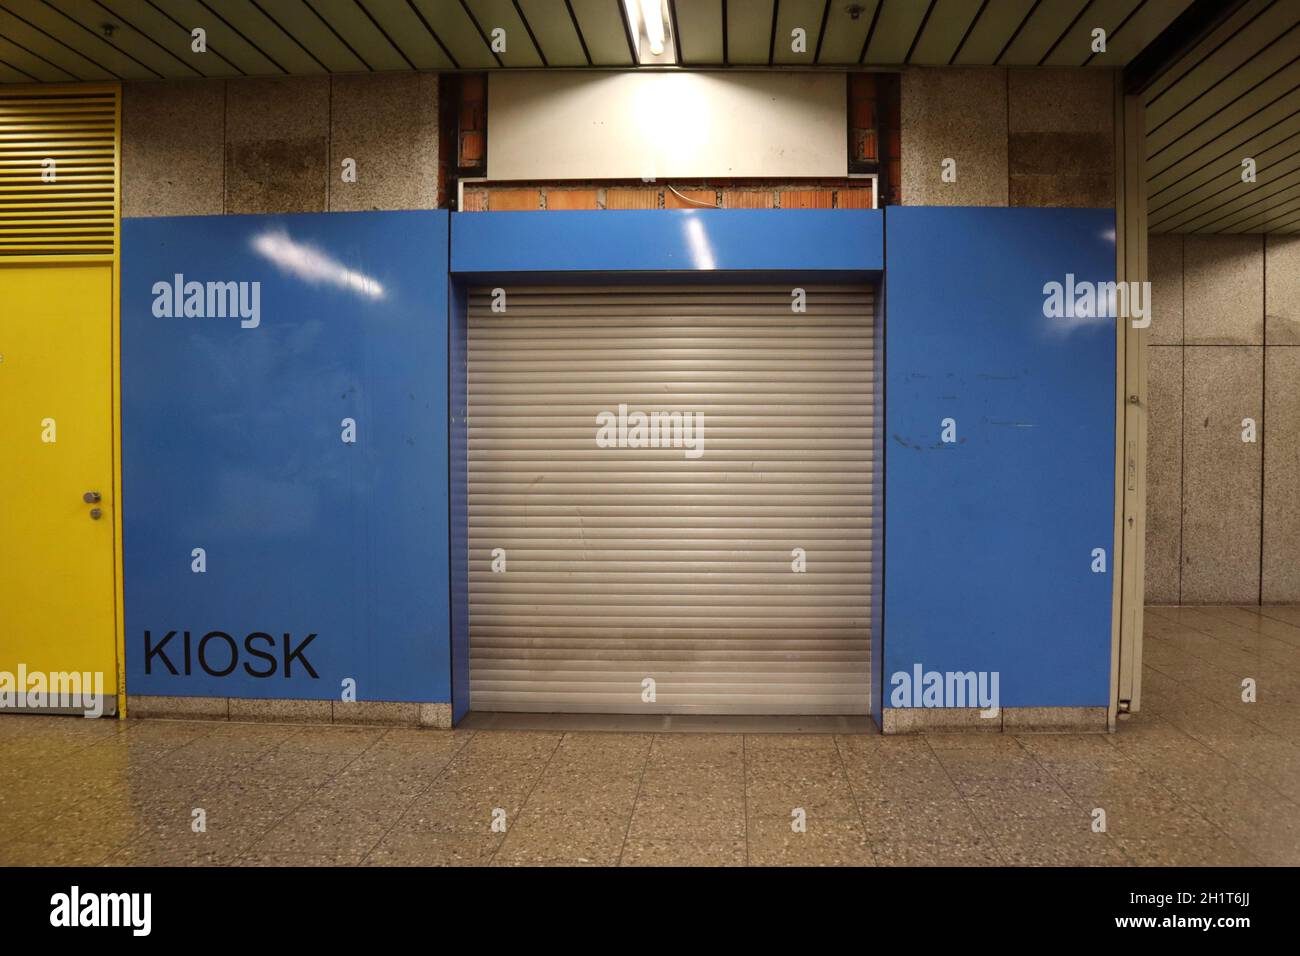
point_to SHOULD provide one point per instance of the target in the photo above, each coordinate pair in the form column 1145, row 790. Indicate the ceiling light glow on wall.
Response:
column 313, row 266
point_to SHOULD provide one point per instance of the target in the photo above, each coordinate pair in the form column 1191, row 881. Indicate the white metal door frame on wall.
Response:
column 1128, row 601
column 730, row 578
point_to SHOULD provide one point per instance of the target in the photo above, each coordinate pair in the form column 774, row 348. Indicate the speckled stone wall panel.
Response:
column 1063, row 101
column 1061, row 149
column 958, row 114
column 920, row 720
column 1282, row 290
column 1165, row 271
column 1281, row 571
column 172, row 136
column 1222, row 385
column 970, row 720
column 180, row 708
column 1223, row 290
column 277, row 144
column 388, row 124
column 1164, row 473
column 281, row 711
column 1053, row 720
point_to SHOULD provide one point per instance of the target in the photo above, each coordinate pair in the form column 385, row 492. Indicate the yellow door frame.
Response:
column 114, row 261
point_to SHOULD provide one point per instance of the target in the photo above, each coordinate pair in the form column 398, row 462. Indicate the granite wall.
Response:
column 223, row 147
column 1223, row 513
column 1018, row 137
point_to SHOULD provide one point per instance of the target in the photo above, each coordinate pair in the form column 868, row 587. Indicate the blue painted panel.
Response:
column 988, row 550
column 673, row 240
column 232, row 443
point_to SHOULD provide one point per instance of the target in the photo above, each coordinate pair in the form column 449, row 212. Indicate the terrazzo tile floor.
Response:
column 1198, row 777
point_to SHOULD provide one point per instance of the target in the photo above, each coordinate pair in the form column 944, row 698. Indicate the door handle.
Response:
column 91, row 497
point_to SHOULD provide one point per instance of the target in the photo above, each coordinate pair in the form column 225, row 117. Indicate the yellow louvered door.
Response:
column 59, row 517
column 724, row 570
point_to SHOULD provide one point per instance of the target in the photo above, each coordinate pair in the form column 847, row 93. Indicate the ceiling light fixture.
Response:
column 652, row 15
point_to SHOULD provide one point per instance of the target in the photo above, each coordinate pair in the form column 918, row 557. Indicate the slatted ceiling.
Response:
column 1133, row 36
column 806, row 15
column 76, row 214
column 1074, row 47
column 1278, row 124
column 62, row 29
column 1250, row 223
column 491, row 14
column 897, row 25
column 749, row 31
column 1218, row 134
column 992, row 31
column 1272, row 70
column 698, row 31
column 165, row 34
column 354, row 26
column 268, row 37
column 223, row 38
column 557, row 36
column 307, row 32
column 30, row 66
column 455, row 28
column 1239, row 53
column 10, row 75
column 1284, row 218
column 1226, row 185
column 943, row 31
column 845, row 36
column 1235, row 94
column 1186, row 212
column 604, row 28
column 254, row 27
column 624, row 563
column 1222, row 182
column 1289, row 226
column 1274, row 200
column 28, row 38
column 1195, row 209
column 159, row 58
column 1224, row 32
column 1045, row 24
column 401, row 24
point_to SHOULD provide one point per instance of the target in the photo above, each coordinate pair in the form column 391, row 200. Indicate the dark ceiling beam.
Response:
column 1189, row 28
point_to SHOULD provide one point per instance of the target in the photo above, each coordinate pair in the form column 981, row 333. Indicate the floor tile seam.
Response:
column 640, row 782
column 429, row 786
column 962, row 797
column 523, row 806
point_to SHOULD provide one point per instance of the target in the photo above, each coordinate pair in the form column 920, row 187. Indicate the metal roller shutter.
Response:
column 625, row 563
